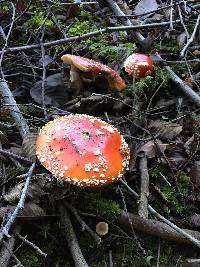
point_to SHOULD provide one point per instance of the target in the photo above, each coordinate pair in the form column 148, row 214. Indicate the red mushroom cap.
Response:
column 89, row 65
column 82, row 150
column 138, row 65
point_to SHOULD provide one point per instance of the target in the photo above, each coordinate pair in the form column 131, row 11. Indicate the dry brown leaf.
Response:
column 145, row 6
column 151, row 148
column 34, row 192
column 195, row 220
column 191, row 263
column 55, row 91
column 195, row 173
column 30, row 210
column 166, row 130
column 28, row 146
column 3, row 138
column 181, row 39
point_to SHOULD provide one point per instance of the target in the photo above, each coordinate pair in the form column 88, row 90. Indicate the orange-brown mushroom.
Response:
column 82, row 150
column 89, row 65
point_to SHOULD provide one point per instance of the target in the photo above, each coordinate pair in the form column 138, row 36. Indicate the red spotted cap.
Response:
column 138, row 65
column 89, row 65
column 82, row 150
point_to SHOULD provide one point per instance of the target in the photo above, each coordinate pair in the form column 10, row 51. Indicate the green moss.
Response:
column 183, row 182
column 38, row 19
column 79, row 28
column 150, row 83
column 156, row 170
column 30, row 258
column 106, row 208
column 171, row 195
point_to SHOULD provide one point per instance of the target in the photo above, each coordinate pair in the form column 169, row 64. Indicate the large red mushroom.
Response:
column 82, row 150
column 138, row 65
column 83, row 64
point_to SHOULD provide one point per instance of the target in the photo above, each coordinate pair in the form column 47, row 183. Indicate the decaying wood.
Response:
column 154, row 227
column 69, row 234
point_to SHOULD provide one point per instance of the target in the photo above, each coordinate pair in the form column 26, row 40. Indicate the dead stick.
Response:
column 15, row 112
column 4, row 231
column 71, row 238
column 144, row 188
column 154, row 227
column 163, row 219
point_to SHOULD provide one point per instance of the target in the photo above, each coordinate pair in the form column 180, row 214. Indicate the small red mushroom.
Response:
column 138, row 65
column 82, row 150
column 79, row 63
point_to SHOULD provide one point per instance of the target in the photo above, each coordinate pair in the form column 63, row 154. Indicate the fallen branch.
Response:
column 144, row 188
column 70, row 236
column 87, row 35
column 186, row 89
column 191, row 38
column 4, row 231
column 36, row 248
column 154, row 227
column 163, row 219
column 7, row 250
column 82, row 223
column 15, row 112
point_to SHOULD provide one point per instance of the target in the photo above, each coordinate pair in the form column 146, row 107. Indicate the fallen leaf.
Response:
column 35, row 191
column 30, row 209
column 28, row 146
column 55, row 91
column 47, row 60
column 181, row 39
column 151, row 148
column 166, row 130
column 195, row 173
column 145, row 6
column 195, row 220
column 191, row 263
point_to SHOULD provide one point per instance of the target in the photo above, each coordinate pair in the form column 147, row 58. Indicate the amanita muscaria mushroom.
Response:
column 79, row 63
column 138, row 65
column 82, row 150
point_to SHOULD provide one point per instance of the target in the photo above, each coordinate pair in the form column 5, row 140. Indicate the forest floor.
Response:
column 150, row 216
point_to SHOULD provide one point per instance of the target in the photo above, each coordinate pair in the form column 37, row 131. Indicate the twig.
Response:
column 13, row 255
column 7, row 38
column 154, row 228
column 5, row 254
column 191, row 38
column 88, row 35
column 183, row 86
column 43, row 74
column 15, row 112
column 182, row 22
column 116, row 9
column 70, row 236
column 144, row 188
column 171, row 15
column 15, row 156
column 160, row 217
column 36, row 248
column 4, row 231
column 82, row 223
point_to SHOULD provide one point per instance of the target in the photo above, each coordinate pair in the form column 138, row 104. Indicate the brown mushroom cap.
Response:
column 82, row 150
column 89, row 65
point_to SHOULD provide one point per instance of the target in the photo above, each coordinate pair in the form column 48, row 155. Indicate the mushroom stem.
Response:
column 76, row 79
column 134, row 89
